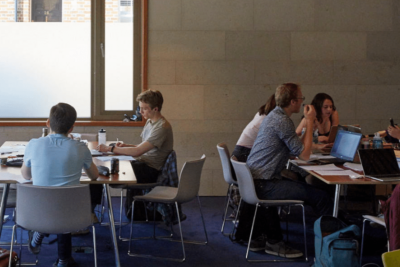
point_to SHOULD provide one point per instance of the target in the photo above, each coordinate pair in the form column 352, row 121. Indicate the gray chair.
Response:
column 187, row 190
column 248, row 194
column 63, row 209
column 227, row 171
column 371, row 219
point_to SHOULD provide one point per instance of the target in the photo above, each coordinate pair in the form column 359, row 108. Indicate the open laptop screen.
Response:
column 345, row 145
column 378, row 161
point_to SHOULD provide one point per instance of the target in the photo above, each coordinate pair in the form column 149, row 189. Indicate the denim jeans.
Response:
column 64, row 246
column 281, row 189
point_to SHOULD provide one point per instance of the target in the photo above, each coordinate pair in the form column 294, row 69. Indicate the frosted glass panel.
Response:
column 42, row 64
column 119, row 57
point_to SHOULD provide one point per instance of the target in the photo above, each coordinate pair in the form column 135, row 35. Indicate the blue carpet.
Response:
column 220, row 251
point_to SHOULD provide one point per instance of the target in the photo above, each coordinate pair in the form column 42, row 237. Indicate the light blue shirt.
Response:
column 56, row 160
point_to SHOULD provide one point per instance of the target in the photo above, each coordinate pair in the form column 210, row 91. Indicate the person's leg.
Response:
column 280, row 189
column 35, row 241
column 144, row 174
column 96, row 193
column 64, row 247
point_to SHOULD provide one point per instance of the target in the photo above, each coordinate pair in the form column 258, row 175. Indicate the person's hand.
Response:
column 103, row 148
column 120, row 144
column 394, row 131
column 309, row 112
column 323, row 139
column 322, row 148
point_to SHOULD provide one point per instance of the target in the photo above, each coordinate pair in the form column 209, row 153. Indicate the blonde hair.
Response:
column 285, row 93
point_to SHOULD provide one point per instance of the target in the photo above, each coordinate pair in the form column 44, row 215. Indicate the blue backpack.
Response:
column 336, row 245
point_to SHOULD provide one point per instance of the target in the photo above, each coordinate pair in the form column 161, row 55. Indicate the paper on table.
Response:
column 354, row 166
column 328, row 167
column 121, row 158
column 343, row 172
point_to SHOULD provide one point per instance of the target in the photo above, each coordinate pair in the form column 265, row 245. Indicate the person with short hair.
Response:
column 57, row 160
column 157, row 143
column 275, row 143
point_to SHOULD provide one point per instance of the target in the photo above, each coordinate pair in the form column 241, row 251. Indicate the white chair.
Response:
column 63, row 209
column 187, row 190
column 248, row 194
column 371, row 219
column 227, row 171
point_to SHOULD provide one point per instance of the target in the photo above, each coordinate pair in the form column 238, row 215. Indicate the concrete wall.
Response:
column 217, row 61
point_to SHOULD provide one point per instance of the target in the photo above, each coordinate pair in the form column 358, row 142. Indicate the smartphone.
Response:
column 391, row 122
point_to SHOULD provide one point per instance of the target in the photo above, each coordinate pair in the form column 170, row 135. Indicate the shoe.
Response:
column 71, row 263
column 280, row 249
column 81, row 232
column 95, row 219
column 258, row 244
column 32, row 249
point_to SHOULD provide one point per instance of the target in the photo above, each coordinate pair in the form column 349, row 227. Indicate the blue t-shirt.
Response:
column 56, row 160
column 276, row 141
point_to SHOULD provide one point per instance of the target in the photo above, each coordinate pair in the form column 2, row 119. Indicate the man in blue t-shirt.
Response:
column 57, row 160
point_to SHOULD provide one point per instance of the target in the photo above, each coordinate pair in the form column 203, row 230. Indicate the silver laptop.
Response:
column 344, row 148
column 380, row 164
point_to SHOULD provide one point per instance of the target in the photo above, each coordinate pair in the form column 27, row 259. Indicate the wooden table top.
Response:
column 345, row 179
column 125, row 175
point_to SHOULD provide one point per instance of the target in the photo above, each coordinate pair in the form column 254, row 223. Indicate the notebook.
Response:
column 380, row 164
column 344, row 148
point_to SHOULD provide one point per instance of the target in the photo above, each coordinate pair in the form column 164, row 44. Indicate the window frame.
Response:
column 99, row 116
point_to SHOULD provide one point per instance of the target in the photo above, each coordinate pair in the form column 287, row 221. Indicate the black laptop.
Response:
column 380, row 164
column 344, row 148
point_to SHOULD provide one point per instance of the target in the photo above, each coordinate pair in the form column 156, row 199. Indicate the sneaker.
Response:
column 258, row 244
column 71, row 263
column 95, row 219
column 34, row 250
column 280, row 249
column 81, row 232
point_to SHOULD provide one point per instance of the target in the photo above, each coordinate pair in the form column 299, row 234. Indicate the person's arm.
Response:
column 26, row 172
column 309, row 114
column 92, row 172
column 394, row 131
column 135, row 151
column 335, row 118
column 299, row 128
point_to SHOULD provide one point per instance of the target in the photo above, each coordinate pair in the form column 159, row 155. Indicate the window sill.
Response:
column 77, row 123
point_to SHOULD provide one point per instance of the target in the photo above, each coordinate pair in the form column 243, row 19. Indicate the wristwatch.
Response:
column 112, row 149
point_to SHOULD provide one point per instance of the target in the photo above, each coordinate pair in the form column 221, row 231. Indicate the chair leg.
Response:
column 12, row 245
column 202, row 219
column 235, row 221
column 130, row 235
column 180, row 230
column 305, row 232
column 362, row 242
column 94, row 246
column 251, row 232
column 228, row 195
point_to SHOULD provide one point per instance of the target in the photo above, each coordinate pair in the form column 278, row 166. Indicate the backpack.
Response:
column 336, row 245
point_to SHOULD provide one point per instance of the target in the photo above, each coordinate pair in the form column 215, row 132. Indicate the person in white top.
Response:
column 249, row 134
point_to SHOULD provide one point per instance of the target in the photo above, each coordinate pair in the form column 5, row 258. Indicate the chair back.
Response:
column 245, row 182
column 53, row 210
column 226, row 165
column 189, row 182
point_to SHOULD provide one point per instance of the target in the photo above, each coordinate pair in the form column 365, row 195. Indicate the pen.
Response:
column 6, row 153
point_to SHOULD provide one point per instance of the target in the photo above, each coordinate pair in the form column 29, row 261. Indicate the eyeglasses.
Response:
column 303, row 98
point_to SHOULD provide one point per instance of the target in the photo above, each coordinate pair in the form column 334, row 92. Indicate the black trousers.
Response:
column 144, row 174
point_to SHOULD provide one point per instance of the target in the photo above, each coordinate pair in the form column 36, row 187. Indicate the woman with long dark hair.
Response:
column 327, row 116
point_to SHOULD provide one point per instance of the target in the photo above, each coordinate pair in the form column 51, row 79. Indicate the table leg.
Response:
column 6, row 188
column 336, row 204
column 112, row 225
